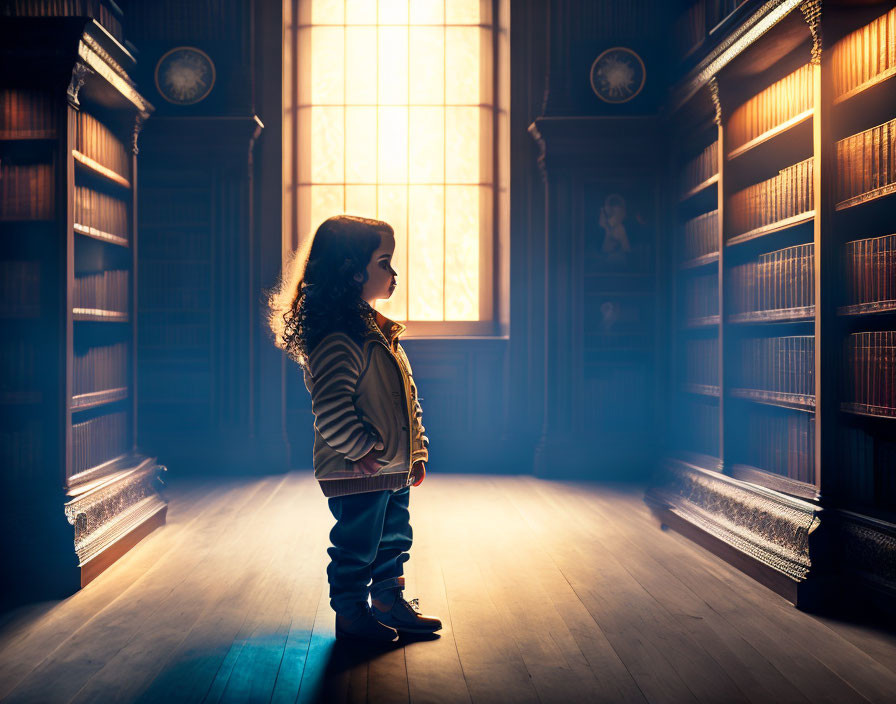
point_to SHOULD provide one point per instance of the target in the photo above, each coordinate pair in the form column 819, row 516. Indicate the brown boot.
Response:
column 365, row 627
column 404, row 616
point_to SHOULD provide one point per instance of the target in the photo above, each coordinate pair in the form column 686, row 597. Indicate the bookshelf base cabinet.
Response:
column 777, row 539
column 112, row 514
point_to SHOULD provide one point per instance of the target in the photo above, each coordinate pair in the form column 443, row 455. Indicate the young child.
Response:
column 369, row 446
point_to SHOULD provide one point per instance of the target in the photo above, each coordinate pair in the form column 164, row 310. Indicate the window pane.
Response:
column 402, row 129
column 462, row 145
column 462, row 65
column 427, row 11
column 427, row 66
column 393, row 11
column 463, row 12
column 360, row 11
column 462, row 252
column 327, row 145
column 393, row 208
column 427, row 138
column 360, row 145
column 316, row 204
column 504, row 137
column 361, row 200
column 393, row 66
column 327, row 65
column 327, row 12
column 426, row 212
column 360, row 79
column 393, row 145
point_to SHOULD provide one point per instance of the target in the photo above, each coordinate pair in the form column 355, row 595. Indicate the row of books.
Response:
column 19, row 288
column 781, row 442
column 866, row 161
column 107, row 290
column 863, row 55
column 701, row 297
column 696, row 426
column 19, row 367
column 868, row 464
column 99, row 10
column 175, row 284
column 27, row 113
column 22, row 448
column 871, row 269
column 779, row 102
column 27, row 191
column 780, row 365
column 100, row 368
column 785, row 195
column 100, row 212
column 701, row 235
column 870, row 374
column 784, row 279
column 98, row 440
column 701, row 168
column 95, row 140
column 701, row 362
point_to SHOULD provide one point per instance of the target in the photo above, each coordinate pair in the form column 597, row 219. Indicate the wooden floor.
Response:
column 549, row 592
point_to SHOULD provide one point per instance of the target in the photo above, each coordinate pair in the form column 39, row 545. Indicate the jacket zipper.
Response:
column 404, row 390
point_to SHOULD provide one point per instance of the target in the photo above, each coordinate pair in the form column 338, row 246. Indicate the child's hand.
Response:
column 368, row 463
column 418, row 472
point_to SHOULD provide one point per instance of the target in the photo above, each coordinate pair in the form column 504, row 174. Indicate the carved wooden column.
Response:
column 561, row 437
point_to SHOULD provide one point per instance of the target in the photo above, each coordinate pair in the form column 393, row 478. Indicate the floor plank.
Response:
column 548, row 592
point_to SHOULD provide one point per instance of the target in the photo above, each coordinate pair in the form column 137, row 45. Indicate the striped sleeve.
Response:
column 418, row 419
column 335, row 365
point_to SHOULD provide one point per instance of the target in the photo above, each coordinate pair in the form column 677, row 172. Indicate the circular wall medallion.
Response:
column 185, row 75
column 617, row 75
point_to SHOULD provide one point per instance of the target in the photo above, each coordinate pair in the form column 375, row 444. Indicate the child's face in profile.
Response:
column 381, row 277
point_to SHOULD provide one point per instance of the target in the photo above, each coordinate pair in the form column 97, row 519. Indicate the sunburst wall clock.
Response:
column 617, row 75
column 185, row 75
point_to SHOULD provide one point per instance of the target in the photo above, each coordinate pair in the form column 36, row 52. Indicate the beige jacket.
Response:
column 359, row 395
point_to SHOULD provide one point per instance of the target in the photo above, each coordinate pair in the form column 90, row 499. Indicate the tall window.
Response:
column 398, row 107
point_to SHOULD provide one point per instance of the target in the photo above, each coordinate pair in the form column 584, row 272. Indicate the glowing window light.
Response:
column 395, row 121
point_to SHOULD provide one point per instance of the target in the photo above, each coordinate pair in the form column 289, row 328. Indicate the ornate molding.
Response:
column 868, row 547
column 107, row 58
column 542, row 152
column 139, row 120
column 729, row 48
column 772, row 528
column 811, row 10
column 80, row 71
column 99, row 60
column 102, row 515
column 716, row 103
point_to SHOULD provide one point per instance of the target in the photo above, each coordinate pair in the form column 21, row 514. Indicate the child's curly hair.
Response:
column 317, row 292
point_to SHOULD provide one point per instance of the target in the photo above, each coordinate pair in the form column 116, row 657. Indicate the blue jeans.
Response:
column 370, row 541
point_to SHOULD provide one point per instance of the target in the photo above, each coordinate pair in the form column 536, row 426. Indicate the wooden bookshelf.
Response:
column 828, row 454
column 773, row 228
column 781, row 315
column 94, row 167
column 700, row 188
column 701, row 389
column 74, row 269
column 770, row 138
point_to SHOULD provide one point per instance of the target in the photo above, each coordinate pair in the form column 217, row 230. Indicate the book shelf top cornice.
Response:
column 57, row 45
column 757, row 27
